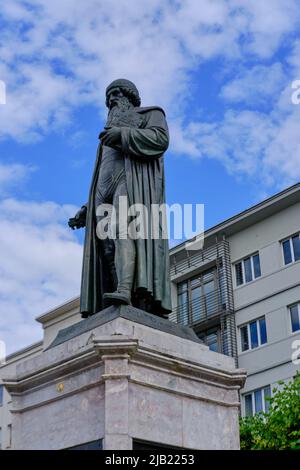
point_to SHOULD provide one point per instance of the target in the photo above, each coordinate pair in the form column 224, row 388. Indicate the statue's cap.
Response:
column 122, row 83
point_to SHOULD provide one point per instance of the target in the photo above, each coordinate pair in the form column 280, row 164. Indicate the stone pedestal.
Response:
column 123, row 376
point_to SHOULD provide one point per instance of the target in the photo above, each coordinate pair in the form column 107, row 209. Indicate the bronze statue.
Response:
column 129, row 163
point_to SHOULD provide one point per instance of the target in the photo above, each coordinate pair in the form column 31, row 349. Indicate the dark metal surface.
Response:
column 139, row 137
column 130, row 313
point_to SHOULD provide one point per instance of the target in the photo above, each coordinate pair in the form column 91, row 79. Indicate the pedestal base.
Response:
column 119, row 377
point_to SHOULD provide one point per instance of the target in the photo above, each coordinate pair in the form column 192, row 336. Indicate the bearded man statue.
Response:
column 129, row 164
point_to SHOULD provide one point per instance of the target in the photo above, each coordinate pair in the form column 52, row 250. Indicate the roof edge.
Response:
column 235, row 219
column 57, row 311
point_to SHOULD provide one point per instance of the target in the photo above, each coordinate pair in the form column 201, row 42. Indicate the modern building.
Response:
column 5, row 401
column 240, row 293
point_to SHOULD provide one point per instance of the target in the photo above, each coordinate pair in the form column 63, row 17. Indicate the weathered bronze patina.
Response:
column 129, row 163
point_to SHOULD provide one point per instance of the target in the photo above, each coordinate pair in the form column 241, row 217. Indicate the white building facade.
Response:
column 241, row 293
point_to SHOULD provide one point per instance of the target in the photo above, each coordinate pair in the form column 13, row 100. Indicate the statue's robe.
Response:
column 143, row 150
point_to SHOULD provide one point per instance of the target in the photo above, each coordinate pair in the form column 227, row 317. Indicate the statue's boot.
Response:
column 125, row 265
column 108, row 248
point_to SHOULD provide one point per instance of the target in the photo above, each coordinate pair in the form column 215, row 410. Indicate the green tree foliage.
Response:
column 279, row 428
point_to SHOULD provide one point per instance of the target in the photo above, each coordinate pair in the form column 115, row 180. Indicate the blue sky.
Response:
column 221, row 69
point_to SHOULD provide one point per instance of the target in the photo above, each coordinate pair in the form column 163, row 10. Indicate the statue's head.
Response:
column 120, row 88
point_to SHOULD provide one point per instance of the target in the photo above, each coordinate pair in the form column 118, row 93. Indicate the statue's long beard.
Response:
column 123, row 114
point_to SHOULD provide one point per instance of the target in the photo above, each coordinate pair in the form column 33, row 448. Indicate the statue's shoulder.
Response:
column 147, row 109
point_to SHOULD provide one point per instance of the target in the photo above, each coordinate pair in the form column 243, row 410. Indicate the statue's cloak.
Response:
column 143, row 150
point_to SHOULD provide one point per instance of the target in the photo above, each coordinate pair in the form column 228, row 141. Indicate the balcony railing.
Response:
column 188, row 260
column 201, row 309
column 208, row 309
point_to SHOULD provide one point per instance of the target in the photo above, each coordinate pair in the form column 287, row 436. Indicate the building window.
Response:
column 9, row 432
column 291, row 249
column 295, row 317
column 212, row 338
column 1, row 395
column 247, row 269
column 257, row 401
column 93, row 445
column 253, row 334
column 201, row 296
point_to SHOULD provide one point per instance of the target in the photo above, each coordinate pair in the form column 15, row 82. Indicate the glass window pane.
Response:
column 208, row 275
column 258, row 401
column 197, row 307
column 248, row 405
column 202, row 336
column 248, row 270
column 287, row 252
column 295, row 318
column 182, row 286
column 267, row 393
column 183, row 308
column 195, row 282
column 253, row 335
column 1, row 395
column 196, row 293
column 214, row 346
column 212, row 341
column 256, row 266
column 244, row 338
column 296, row 246
column 182, row 298
column 209, row 287
column 210, row 297
column 239, row 274
column 263, row 331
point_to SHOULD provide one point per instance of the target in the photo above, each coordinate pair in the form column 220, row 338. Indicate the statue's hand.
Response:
column 111, row 137
column 79, row 220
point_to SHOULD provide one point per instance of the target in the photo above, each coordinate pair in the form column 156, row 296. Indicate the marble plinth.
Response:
column 123, row 376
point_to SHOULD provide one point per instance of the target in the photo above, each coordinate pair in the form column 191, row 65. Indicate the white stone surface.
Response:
column 124, row 381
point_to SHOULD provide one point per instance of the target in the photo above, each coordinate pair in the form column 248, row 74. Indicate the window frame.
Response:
column 264, row 402
column 9, row 432
column 290, row 240
column 290, row 317
column 242, row 263
column 209, row 332
column 195, row 282
column 259, row 336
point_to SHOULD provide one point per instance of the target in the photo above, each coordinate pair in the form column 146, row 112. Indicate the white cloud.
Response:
column 12, row 175
column 265, row 147
column 258, row 85
column 40, row 266
column 59, row 55
column 237, row 141
column 282, row 155
column 66, row 52
column 266, row 23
